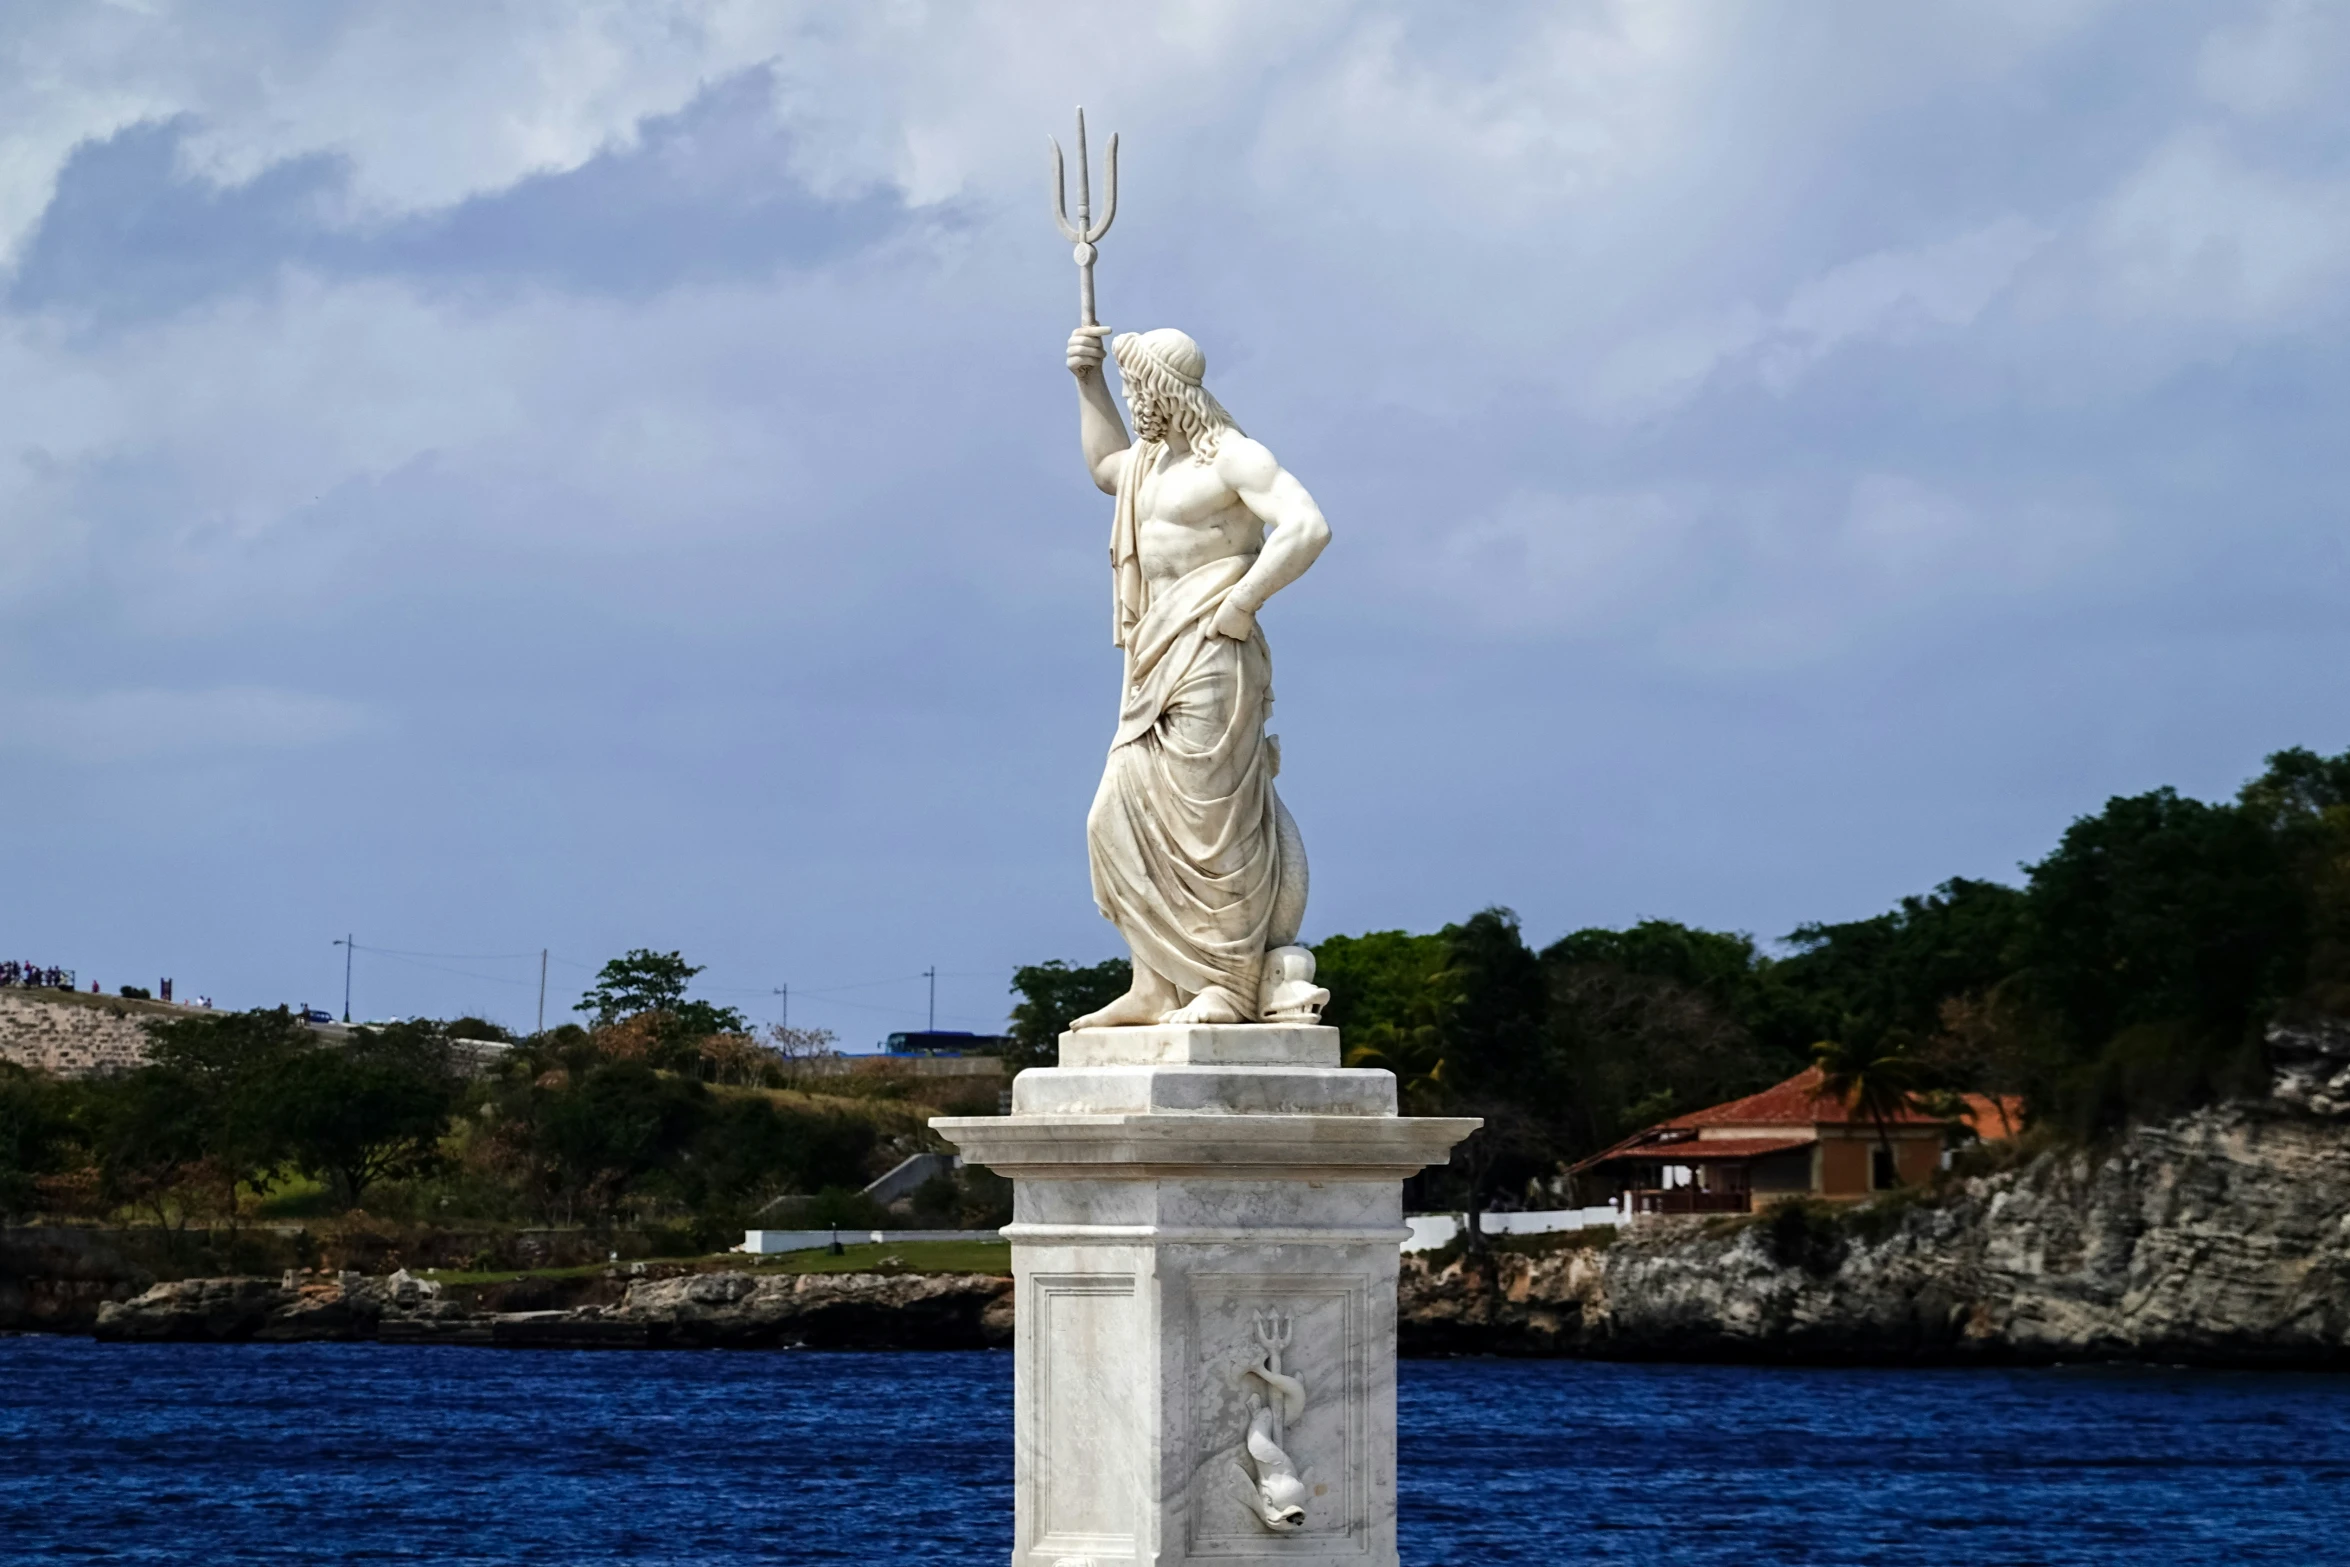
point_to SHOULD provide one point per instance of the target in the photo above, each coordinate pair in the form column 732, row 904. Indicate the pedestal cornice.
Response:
column 1232, row 1147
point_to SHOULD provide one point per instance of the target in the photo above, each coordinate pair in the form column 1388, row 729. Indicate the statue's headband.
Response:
column 1167, row 351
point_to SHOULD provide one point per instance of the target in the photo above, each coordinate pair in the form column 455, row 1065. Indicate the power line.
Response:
column 460, row 957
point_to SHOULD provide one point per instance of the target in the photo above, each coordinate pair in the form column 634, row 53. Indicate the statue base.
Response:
column 1206, row 1224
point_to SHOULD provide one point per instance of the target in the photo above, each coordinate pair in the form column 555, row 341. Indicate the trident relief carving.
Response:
column 1269, row 1485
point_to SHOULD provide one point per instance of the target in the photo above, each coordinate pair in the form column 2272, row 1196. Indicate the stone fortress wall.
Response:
column 76, row 1035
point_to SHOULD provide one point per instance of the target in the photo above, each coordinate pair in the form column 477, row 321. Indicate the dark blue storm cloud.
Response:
column 699, row 196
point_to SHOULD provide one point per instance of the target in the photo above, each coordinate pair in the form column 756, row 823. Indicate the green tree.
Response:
column 146, row 1134
column 1053, row 995
column 1645, row 1027
column 590, row 1136
column 1381, row 977
column 373, row 1110
column 36, row 1136
column 2161, row 932
column 2303, row 801
column 1394, row 998
column 652, row 986
column 747, row 1149
column 227, row 1066
column 1873, row 1077
column 1862, row 980
column 640, row 981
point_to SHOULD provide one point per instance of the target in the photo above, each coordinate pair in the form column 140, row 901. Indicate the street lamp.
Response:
column 346, row 944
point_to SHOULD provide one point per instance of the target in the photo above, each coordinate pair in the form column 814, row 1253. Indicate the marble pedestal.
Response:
column 1204, row 1218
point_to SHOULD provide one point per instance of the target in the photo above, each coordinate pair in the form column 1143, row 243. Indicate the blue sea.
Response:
column 199, row 1454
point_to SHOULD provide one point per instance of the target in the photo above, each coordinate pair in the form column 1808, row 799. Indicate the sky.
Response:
column 484, row 478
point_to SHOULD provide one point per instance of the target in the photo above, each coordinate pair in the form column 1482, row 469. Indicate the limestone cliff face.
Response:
column 2222, row 1238
column 703, row 1310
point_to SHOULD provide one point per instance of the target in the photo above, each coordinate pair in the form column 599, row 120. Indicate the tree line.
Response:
column 2130, row 976
column 653, row 1107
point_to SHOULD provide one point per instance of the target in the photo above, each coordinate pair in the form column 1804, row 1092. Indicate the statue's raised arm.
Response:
column 1195, row 859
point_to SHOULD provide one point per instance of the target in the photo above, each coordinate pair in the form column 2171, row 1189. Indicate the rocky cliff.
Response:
column 2222, row 1238
column 698, row 1311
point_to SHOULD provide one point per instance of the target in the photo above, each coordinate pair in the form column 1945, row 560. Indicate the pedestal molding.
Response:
column 1200, row 1235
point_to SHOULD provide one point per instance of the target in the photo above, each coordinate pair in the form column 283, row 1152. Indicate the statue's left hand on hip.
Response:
column 1234, row 622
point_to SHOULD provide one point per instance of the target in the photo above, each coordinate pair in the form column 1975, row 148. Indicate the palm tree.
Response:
column 1879, row 1079
column 1415, row 1046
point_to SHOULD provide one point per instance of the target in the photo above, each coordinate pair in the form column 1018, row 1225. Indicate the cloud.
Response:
column 108, row 727
column 1893, row 297
column 2200, row 233
column 695, row 197
column 643, row 425
column 1572, row 564
column 2288, row 57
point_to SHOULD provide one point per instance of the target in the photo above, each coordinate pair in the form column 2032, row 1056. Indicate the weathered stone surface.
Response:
column 825, row 1310
column 75, row 1035
column 708, row 1310
column 2222, row 1238
column 55, row 1280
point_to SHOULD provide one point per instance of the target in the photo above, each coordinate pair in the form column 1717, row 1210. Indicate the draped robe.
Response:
column 1194, row 858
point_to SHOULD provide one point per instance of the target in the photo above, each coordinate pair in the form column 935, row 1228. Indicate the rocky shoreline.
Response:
column 2218, row 1239
column 692, row 1311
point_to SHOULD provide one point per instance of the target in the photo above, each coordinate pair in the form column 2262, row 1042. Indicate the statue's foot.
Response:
column 1135, row 1009
column 1209, row 1006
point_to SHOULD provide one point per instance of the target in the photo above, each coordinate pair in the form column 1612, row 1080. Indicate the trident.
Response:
column 1085, row 233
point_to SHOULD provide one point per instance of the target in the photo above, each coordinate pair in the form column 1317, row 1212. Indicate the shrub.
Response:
column 1804, row 1234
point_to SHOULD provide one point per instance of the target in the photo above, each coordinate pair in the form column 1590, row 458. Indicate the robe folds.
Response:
column 1194, row 859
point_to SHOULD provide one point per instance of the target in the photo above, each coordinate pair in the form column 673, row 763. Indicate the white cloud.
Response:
column 429, row 103
column 2290, row 56
column 1888, row 296
column 1577, row 564
column 1765, row 576
column 2200, row 233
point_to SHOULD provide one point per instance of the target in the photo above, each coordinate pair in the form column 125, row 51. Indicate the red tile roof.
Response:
column 1796, row 1102
column 1701, row 1150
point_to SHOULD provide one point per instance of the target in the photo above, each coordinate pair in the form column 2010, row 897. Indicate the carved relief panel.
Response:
column 1276, row 1412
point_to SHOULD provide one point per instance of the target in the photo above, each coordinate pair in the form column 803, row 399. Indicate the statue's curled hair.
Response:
column 1166, row 367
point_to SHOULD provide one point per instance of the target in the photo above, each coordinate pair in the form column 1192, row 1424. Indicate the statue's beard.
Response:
column 1150, row 422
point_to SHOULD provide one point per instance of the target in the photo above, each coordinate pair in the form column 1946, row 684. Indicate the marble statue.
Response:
column 1194, row 857
column 1206, row 1204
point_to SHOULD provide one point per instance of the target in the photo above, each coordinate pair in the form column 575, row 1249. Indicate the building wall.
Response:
column 1847, row 1155
column 1917, row 1158
column 900, row 1066
column 1782, row 1172
column 1844, row 1167
column 75, row 1035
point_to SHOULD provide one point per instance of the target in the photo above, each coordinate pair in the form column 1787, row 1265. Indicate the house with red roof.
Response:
column 1790, row 1140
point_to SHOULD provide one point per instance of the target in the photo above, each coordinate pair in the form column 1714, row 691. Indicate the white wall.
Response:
column 1430, row 1231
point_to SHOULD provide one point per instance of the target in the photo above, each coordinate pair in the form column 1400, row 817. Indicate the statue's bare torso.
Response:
column 1228, row 500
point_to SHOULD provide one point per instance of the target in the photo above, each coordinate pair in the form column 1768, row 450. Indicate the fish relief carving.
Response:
column 1268, row 1484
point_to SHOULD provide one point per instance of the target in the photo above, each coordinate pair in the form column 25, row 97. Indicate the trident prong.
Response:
column 1273, row 1334
column 1084, row 233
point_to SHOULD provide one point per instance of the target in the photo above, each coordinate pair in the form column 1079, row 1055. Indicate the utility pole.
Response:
column 345, row 944
column 785, row 992
column 542, row 1028
column 931, row 973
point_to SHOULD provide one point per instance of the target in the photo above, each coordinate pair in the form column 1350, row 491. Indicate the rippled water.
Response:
column 192, row 1454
